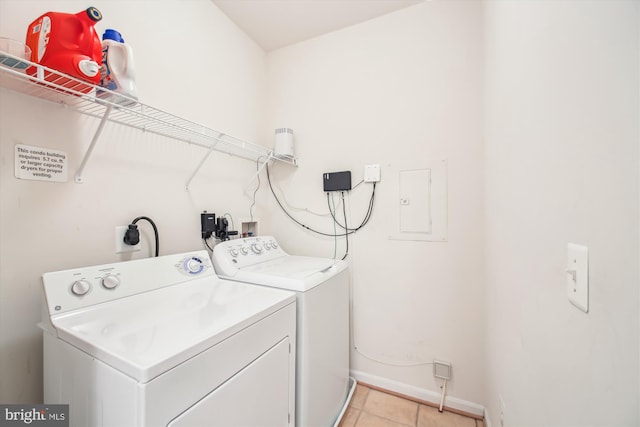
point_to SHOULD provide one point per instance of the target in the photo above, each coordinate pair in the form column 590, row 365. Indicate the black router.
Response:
column 337, row 181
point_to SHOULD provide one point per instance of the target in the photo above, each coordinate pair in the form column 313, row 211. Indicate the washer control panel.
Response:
column 238, row 253
column 193, row 265
column 80, row 287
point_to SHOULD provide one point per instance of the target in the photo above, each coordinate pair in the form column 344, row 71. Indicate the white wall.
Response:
column 554, row 90
column 190, row 61
column 403, row 91
column 561, row 153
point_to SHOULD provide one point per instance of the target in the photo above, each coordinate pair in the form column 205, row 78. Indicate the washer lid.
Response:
column 149, row 333
column 296, row 273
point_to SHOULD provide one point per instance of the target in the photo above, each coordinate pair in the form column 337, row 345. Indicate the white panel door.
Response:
column 257, row 396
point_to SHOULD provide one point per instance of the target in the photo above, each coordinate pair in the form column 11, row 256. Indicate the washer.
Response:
column 164, row 342
column 323, row 386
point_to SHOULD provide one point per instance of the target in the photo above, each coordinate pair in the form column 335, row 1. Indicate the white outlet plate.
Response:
column 372, row 173
column 577, row 276
column 122, row 247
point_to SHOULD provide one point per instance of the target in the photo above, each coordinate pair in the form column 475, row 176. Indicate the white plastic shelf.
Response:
column 51, row 85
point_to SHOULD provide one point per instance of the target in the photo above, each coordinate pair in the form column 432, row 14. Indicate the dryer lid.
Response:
column 149, row 333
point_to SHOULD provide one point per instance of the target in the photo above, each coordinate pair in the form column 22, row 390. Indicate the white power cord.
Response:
column 444, row 390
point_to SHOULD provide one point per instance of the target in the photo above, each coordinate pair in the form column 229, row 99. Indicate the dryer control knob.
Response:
column 80, row 287
column 110, row 281
column 256, row 248
column 234, row 252
column 244, row 250
column 193, row 265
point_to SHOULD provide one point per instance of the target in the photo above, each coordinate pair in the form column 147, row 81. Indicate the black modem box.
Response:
column 337, row 181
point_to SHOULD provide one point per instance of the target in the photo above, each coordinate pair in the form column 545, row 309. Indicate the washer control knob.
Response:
column 274, row 245
column 80, row 287
column 234, row 252
column 256, row 248
column 267, row 246
column 244, row 250
column 193, row 265
column 110, row 281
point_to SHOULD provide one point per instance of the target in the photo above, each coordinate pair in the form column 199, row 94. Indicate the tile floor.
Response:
column 373, row 408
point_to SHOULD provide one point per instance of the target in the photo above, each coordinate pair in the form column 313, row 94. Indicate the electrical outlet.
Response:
column 121, row 246
column 372, row 173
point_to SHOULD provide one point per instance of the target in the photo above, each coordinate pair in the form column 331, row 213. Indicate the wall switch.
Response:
column 121, row 246
column 577, row 276
column 372, row 173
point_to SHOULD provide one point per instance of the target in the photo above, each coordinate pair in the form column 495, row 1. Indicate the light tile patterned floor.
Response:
column 373, row 408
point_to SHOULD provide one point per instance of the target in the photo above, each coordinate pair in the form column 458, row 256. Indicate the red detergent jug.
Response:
column 67, row 43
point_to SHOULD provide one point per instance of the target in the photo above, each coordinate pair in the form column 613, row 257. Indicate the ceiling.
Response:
column 277, row 23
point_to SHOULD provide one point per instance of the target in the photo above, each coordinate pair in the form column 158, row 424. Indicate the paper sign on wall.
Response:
column 40, row 164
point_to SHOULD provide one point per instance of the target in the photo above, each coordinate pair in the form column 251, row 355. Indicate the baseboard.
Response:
column 487, row 420
column 421, row 395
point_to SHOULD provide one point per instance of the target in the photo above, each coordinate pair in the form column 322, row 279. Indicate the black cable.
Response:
column 207, row 245
column 289, row 215
column 366, row 218
column 346, row 236
column 347, row 231
column 155, row 230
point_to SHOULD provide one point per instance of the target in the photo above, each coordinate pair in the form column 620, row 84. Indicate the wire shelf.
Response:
column 19, row 75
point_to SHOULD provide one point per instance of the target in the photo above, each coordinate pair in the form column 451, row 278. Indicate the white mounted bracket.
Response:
column 264, row 164
column 269, row 157
column 96, row 136
column 204, row 159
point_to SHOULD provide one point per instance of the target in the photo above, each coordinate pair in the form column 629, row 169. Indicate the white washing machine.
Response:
column 323, row 386
column 164, row 342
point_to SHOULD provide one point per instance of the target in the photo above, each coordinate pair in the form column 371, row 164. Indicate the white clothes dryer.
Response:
column 164, row 342
column 323, row 385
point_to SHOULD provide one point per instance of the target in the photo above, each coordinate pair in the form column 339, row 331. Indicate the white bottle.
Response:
column 117, row 72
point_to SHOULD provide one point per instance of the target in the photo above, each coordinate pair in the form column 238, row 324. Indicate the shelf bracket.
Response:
column 269, row 157
column 259, row 169
column 204, row 159
column 96, row 136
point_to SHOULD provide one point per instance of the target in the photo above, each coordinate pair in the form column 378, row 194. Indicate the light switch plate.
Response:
column 577, row 276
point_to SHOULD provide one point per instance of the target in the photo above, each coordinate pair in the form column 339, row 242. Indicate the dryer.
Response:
column 323, row 385
column 164, row 342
